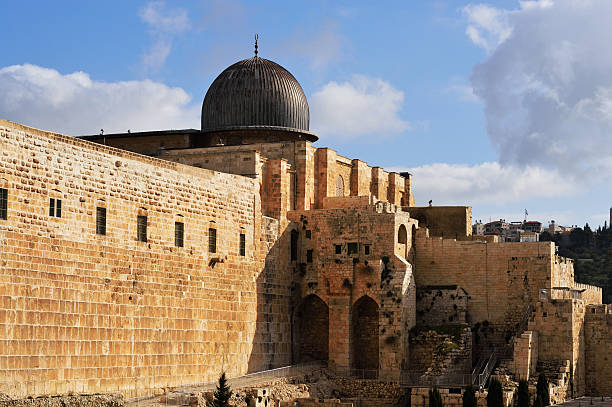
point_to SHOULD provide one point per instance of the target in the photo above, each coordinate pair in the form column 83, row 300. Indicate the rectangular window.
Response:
column 366, row 249
column 142, row 228
column 294, row 244
column 55, row 207
column 212, row 240
column 100, row 221
column 242, row 244
column 308, row 234
column 179, row 234
column 338, row 248
column 309, row 256
column 3, row 203
column 352, row 248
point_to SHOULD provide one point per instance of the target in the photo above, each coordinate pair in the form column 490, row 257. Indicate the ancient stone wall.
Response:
column 501, row 279
column 453, row 222
column 85, row 312
column 441, row 305
column 560, row 327
column 348, row 258
column 598, row 339
column 525, row 355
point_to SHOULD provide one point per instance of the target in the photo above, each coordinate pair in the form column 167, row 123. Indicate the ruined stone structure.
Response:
column 131, row 262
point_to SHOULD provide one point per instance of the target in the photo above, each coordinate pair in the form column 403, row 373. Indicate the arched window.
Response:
column 402, row 240
column 402, row 235
column 339, row 186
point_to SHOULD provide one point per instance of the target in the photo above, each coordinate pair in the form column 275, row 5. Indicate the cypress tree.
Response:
column 495, row 397
column 435, row 399
column 523, row 394
column 469, row 397
column 542, row 394
column 222, row 395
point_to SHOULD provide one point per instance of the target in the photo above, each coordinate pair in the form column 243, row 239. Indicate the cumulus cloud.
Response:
column 75, row 104
column 547, row 83
column 357, row 108
column 163, row 24
column 489, row 182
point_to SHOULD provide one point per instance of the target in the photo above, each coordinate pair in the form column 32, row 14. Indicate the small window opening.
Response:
column 100, row 221
column 142, row 228
column 55, row 207
column 212, row 240
column 308, row 234
column 352, row 248
column 338, row 248
column 309, row 256
column 242, row 244
column 366, row 249
column 294, row 245
column 3, row 203
column 179, row 234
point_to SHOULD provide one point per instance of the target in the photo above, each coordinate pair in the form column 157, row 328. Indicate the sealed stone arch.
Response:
column 339, row 186
column 312, row 330
column 365, row 335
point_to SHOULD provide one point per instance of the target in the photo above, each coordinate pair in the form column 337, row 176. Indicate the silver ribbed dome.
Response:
column 255, row 93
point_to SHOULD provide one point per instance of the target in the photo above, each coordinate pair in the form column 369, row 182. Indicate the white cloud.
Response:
column 164, row 24
column 75, row 104
column 360, row 107
column 487, row 26
column 464, row 92
column 489, row 182
column 317, row 46
column 156, row 15
column 547, row 83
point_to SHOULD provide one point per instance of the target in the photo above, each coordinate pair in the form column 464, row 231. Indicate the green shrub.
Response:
column 469, row 397
column 523, row 394
column 495, row 397
column 542, row 395
column 222, row 395
column 435, row 399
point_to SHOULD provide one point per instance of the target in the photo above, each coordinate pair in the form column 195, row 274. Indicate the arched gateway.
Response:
column 312, row 330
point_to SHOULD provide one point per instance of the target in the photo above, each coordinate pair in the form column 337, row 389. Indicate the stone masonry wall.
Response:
column 441, row 305
column 453, row 222
column 598, row 339
column 368, row 264
column 560, row 327
column 81, row 312
column 501, row 279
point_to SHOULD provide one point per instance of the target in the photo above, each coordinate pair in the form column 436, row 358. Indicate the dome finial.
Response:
column 256, row 39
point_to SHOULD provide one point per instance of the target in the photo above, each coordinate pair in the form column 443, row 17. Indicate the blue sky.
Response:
column 488, row 104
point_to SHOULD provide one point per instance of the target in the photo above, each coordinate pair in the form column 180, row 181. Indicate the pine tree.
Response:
column 542, row 395
column 469, row 397
column 222, row 395
column 523, row 393
column 435, row 399
column 495, row 397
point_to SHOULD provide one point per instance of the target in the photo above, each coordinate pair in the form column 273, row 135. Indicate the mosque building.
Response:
column 138, row 261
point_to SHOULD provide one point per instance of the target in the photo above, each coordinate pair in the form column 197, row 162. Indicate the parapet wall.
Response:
column 454, row 222
column 84, row 312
